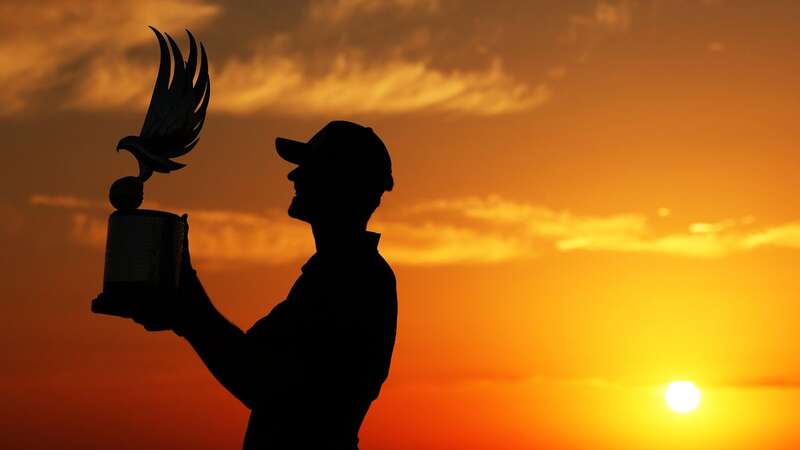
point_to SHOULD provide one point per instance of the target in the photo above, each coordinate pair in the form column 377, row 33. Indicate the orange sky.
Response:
column 593, row 198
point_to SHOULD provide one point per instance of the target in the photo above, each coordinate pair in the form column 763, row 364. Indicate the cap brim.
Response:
column 293, row 151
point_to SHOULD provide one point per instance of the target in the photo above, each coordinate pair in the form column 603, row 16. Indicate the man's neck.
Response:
column 329, row 238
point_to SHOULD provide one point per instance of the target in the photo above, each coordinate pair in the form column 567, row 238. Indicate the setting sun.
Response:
column 593, row 226
column 682, row 396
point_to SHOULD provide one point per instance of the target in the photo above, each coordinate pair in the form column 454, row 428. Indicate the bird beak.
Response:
column 127, row 143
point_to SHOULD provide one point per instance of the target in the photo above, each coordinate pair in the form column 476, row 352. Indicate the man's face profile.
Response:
column 329, row 197
column 302, row 203
column 317, row 196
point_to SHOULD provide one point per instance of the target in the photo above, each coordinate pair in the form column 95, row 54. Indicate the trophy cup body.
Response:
column 144, row 248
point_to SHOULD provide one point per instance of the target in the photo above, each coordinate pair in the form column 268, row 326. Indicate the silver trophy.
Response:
column 144, row 247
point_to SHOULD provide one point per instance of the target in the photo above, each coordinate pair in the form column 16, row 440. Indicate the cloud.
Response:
column 231, row 236
column 40, row 42
column 586, row 31
column 787, row 236
column 624, row 233
column 472, row 230
column 336, row 11
column 717, row 227
column 85, row 52
column 351, row 86
column 435, row 243
column 217, row 235
column 224, row 237
column 88, row 56
column 557, row 72
column 605, row 17
column 537, row 220
column 87, row 229
column 64, row 201
column 613, row 16
column 770, row 382
column 598, row 382
column 112, row 83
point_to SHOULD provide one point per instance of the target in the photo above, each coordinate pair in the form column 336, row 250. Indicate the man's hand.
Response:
column 186, row 259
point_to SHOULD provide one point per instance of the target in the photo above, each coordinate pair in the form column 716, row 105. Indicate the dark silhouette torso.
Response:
column 323, row 353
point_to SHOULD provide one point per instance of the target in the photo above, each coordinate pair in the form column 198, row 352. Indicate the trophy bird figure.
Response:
column 174, row 119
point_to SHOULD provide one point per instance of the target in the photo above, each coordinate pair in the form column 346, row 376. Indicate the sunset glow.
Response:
column 592, row 199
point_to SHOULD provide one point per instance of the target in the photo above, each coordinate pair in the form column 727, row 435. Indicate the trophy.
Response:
column 144, row 248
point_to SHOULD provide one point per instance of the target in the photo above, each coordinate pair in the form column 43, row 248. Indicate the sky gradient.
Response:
column 592, row 199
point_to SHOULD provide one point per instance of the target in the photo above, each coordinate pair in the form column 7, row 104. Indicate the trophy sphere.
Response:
column 126, row 193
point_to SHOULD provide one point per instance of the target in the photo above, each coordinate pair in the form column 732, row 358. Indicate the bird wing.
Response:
column 178, row 108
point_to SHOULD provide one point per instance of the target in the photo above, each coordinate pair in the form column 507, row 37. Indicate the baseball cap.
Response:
column 345, row 147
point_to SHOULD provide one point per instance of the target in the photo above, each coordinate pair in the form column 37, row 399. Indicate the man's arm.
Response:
column 222, row 346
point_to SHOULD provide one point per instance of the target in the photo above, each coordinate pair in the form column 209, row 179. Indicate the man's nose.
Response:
column 293, row 175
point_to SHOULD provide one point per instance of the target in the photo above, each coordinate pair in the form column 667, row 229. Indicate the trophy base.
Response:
column 127, row 299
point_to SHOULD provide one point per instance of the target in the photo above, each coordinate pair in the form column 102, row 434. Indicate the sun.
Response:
column 682, row 396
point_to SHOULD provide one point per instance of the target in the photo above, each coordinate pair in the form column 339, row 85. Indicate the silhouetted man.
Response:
column 309, row 369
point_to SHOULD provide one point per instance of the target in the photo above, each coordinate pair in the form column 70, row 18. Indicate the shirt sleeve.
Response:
column 274, row 352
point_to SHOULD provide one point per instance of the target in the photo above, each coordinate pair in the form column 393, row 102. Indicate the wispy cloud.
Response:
column 64, row 201
column 615, row 383
column 626, row 233
column 438, row 243
column 474, row 230
column 218, row 235
column 585, row 31
column 88, row 56
column 85, row 52
column 787, row 235
column 769, row 382
column 336, row 11
column 605, row 17
column 269, row 80
column 351, row 86
column 273, row 238
column 40, row 41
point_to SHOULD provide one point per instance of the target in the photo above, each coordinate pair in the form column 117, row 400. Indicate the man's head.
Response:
column 341, row 173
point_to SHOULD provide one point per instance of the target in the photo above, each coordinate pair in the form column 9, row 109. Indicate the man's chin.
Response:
column 298, row 211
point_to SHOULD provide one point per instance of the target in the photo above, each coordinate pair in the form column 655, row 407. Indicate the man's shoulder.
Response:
column 377, row 277
column 361, row 265
column 383, row 282
column 363, row 280
column 383, row 269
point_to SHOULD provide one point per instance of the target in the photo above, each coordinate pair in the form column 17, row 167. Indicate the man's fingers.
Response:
column 187, row 259
column 95, row 301
column 151, row 325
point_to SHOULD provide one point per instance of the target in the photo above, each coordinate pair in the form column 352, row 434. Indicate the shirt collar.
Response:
column 368, row 241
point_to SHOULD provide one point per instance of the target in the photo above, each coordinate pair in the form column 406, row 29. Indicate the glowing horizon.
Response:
column 592, row 199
